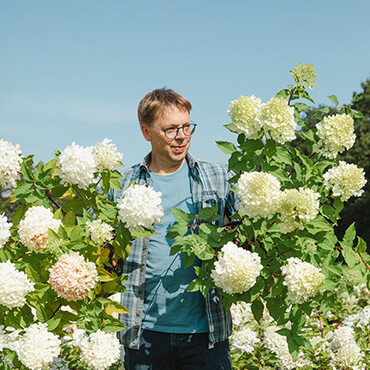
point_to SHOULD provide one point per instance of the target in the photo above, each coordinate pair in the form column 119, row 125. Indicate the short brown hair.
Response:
column 153, row 103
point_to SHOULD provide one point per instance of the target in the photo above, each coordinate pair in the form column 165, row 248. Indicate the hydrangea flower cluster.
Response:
column 236, row 270
column 34, row 228
column 72, row 277
column 14, row 286
column 100, row 350
column 77, row 166
column 297, row 206
column 4, row 230
column 302, row 279
column 278, row 344
column 342, row 336
column 336, row 133
column 245, row 114
column 107, row 156
column 345, row 180
column 348, row 357
column 10, row 163
column 304, row 75
column 278, row 119
column 259, row 193
column 100, row 232
column 360, row 319
column 140, row 206
column 37, row 347
column 244, row 340
column 347, row 351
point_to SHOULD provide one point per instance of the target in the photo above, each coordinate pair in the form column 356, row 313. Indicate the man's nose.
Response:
column 180, row 134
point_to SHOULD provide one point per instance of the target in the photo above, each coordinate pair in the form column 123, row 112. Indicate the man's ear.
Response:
column 146, row 133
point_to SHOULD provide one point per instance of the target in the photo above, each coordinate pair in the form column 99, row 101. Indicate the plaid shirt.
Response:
column 209, row 186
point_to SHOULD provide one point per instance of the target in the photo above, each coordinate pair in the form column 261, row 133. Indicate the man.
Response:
column 168, row 327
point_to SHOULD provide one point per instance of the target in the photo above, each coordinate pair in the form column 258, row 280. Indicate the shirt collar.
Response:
column 192, row 162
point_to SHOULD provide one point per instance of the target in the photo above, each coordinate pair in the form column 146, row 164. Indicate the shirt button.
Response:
column 141, row 269
column 138, row 314
column 140, row 292
column 144, row 248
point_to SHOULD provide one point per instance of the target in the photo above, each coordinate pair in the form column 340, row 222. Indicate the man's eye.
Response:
column 171, row 130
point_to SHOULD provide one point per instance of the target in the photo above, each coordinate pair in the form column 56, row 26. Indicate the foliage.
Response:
column 298, row 228
column 40, row 185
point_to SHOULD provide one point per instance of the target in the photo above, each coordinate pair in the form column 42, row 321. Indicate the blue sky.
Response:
column 74, row 71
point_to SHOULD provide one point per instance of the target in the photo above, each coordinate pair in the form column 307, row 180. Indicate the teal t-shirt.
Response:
column 168, row 307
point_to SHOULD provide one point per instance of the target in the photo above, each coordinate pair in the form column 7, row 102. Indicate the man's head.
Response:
column 154, row 103
column 165, row 122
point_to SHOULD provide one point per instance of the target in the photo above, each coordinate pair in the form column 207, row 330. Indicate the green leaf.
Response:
column 200, row 272
column 283, row 94
column 301, row 106
column 350, row 235
column 69, row 219
column 334, row 99
column 251, row 146
column 226, row 147
column 209, row 214
column 257, row 309
column 181, row 216
column 113, row 306
column 361, row 245
column 179, row 229
column 355, row 98
column 105, row 181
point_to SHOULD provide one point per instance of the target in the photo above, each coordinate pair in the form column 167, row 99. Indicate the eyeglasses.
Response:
column 172, row 132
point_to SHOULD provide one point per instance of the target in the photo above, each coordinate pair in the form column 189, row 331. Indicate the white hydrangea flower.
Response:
column 10, row 163
column 302, row 279
column 77, row 166
column 140, row 206
column 336, row 133
column 245, row 114
column 34, row 228
column 297, row 206
column 345, row 180
column 244, row 340
column 360, row 319
column 8, row 336
column 38, row 347
column 100, row 350
column 99, row 231
column 342, row 336
column 278, row 344
column 348, row 357
column 259, row 193
column 304, row 75
column 278, row 120
column 4, row 230
column 14, row 286
column 107, row 156
column 241, row 313
column 236, row 270
column 72, row 277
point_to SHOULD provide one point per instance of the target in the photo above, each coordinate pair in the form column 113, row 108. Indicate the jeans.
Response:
column 168, row 351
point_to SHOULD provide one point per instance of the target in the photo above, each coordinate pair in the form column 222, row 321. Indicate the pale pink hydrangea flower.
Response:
column 72, row 277
column 34, row 228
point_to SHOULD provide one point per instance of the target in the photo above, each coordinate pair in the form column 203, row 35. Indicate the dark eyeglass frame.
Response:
column 191, row 124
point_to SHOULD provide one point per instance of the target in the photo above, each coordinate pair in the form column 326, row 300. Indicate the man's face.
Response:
column 167, row 153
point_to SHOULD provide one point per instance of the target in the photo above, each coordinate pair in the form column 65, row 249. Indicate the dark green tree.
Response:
column 358, row 209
